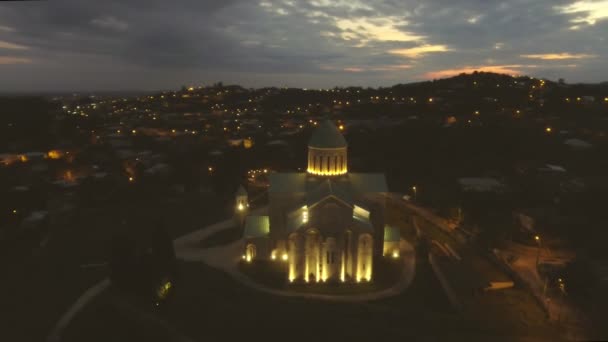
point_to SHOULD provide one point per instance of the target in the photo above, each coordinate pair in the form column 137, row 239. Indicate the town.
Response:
column 494, row 183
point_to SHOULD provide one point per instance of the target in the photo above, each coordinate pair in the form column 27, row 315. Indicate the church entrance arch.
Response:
column 250, row 252
column 311, row 251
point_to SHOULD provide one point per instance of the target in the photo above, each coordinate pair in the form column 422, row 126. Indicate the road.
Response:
column 557, row 305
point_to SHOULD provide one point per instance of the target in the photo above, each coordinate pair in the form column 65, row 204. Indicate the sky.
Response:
column 115, row 45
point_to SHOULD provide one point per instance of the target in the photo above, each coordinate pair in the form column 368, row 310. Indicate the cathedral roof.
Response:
column 368, row 182
column 327, row 135
column 391, row 234
column 287, row 182
column 241, row 191
column 328, row 188
column 295, row 219
column 256, row 226
column 351, row 183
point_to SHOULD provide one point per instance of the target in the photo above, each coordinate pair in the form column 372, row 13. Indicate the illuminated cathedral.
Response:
column 326, row 224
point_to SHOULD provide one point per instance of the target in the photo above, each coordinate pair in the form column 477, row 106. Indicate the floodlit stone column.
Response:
column 364, row 259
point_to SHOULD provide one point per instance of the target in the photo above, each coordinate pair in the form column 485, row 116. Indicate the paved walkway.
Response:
column 81, row 302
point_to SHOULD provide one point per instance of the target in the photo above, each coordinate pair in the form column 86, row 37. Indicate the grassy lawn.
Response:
column 512, row 311
column 103, row 321
column 40, row 286
column 210, row 306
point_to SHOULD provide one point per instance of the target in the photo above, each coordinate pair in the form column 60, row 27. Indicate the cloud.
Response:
column 419, row 51
column 6, row 29
column 378, row 29
column 395, row 67
column 559, row 56
column 12, row 46
column 306, row 43
column 374, row 69
column 474, row 19
column 14, row 60
column 110, row 23
column 351, row 5
column 587, row 11
column 353, row 69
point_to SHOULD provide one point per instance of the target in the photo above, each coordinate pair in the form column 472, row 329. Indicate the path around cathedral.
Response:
column 227, row 258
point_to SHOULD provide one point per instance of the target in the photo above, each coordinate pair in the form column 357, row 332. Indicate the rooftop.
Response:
column 256, row 226
column 327, row 135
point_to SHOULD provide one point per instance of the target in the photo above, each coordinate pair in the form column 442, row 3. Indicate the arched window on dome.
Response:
column 335, row 163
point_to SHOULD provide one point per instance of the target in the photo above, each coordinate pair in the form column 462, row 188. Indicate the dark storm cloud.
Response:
column 307, row 43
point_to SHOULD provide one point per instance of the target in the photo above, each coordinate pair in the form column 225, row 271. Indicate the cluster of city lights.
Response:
column 255, row 173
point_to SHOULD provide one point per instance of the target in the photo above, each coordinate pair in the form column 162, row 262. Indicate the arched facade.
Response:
column 315, row 258
column 250, row 252
column 312, row 258
column 331, row 259
column 364, row 257
column 293, row 256
column 347, row 256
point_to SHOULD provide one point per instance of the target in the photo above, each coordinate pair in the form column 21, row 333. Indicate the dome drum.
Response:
column 327, row 151
column 327, row 161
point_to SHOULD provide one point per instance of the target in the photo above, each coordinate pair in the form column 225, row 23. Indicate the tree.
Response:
column 164, row 253
column 146, row 267
column 123, row 262
column 579, row 278
column 424, row 247
column 26, row 122
column 158, row 264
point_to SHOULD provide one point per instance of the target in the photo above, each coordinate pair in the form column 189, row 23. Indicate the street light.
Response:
column 562, row 288
column 415, row 192
column 537, row 238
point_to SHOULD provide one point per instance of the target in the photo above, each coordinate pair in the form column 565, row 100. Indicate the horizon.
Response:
column 111, row 45
column 211, row 84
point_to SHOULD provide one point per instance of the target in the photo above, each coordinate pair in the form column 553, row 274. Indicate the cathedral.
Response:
column 326, row 224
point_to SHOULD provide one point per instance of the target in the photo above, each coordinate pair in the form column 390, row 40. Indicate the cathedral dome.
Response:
column 327, row 135
column 327, row 151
